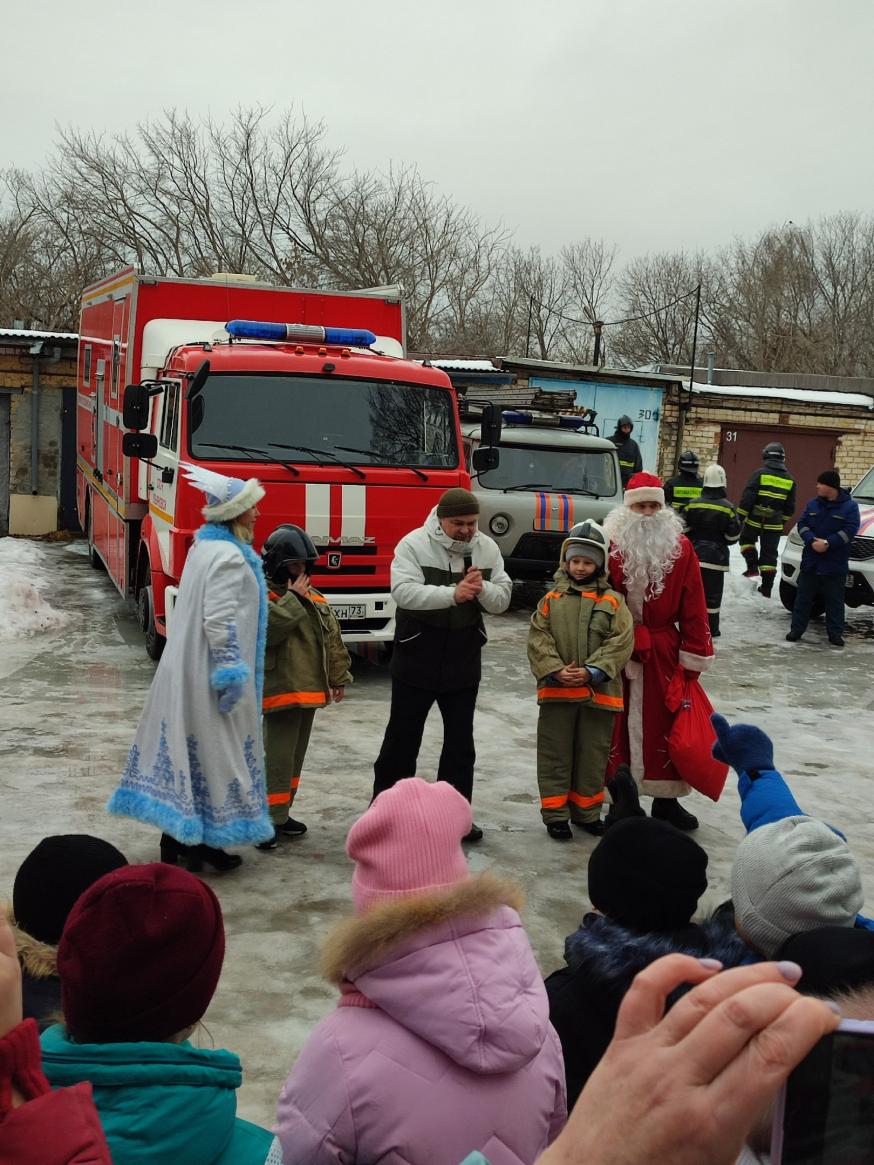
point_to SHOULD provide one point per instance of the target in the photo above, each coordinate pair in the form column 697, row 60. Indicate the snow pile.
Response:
column 23, row 610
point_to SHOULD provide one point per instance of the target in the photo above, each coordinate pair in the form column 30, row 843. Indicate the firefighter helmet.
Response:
column 688, row 462
column 286, row 544
column 774, row 452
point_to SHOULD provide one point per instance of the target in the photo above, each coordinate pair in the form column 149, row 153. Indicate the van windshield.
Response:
column 384, row 422
column 561, row 470
column 864, row 491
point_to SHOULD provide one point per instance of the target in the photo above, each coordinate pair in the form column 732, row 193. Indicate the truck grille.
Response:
column 862, row 548
column 542, row 547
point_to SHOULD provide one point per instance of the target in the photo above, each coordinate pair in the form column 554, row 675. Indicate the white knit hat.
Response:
column 792, row 876
column 714, row 477
column 226, row 497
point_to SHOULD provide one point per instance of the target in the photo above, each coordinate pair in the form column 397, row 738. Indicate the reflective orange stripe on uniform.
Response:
column 292, row 698
column 278, row 798
column 563, row 693
column 608, row 701
column 553, row 802
column 295, row 781
column 316, row 598
column 551, row 595
column 599, row 598
column 587, row 802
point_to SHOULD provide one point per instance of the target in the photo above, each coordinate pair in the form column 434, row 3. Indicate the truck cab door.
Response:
column 164, row 471
column 100, row 422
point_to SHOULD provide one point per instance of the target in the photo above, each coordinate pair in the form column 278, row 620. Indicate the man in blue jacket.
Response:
column 828, row 526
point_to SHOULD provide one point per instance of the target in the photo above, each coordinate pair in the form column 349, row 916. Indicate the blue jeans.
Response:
column 832, row 585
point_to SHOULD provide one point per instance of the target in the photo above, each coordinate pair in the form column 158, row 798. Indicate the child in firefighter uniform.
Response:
column 580, row 639
column 306, row 666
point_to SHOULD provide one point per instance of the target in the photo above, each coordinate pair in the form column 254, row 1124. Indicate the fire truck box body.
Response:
column 377, row 436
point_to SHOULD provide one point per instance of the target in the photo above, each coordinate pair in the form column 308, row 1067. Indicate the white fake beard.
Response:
column 649, row 545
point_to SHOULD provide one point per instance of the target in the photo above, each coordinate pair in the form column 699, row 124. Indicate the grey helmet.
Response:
column 287, row 543
column 774, row 452
column 587, row 535
column 688, row 462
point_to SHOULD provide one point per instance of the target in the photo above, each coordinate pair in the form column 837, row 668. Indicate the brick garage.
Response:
column 840, row 427
column 50, row 507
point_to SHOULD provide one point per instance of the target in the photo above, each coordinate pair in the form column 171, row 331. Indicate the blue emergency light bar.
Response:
column 300, row 333
column 557, row 422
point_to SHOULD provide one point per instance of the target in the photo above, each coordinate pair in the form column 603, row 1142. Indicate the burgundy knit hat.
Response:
column 141, row 955
column 409, row 842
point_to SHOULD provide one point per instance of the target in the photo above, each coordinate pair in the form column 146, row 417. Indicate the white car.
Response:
column 550, row 476
column 860, row 579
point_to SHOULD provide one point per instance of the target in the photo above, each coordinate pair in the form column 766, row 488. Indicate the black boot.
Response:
column 559, row 831
column 171, row 850
column 751, row 558
column 595, row 828
column 475, row 834
column 622, row 788
column 292, row 828
column 669, row 809
column 217, row 858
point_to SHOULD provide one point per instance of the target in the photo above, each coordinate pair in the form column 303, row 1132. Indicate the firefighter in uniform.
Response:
column 630, row 461
column 685, row 485
column 712, row 525
column 768, row 501
column 306, row 666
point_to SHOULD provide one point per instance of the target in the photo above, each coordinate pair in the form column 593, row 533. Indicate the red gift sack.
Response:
column 692, row 736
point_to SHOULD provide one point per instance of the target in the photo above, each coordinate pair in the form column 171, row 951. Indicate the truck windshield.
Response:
column 405, row 424
column 562, row 470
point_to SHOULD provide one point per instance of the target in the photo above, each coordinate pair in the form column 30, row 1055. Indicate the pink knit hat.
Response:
column 409, row 842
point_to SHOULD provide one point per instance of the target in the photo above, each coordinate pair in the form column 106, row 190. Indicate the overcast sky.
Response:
column 651, row 123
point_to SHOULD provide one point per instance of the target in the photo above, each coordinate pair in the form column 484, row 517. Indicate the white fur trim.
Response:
column 695, row 662
column 665, row 788
column 644, row 493
column 250, row 495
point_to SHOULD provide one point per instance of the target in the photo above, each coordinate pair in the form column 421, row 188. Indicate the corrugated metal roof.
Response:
column 463, row 365
column 809, row 396
column 29, row 334
column 802, row 381
column 586, row 372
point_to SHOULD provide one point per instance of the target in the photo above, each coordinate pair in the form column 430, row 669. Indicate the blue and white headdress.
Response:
column 226, row 497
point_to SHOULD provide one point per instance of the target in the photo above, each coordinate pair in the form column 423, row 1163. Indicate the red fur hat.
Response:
column 644, row 487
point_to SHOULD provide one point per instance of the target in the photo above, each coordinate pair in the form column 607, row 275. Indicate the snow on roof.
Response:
column 460, row 365
column 29, row 334
column 857, row 399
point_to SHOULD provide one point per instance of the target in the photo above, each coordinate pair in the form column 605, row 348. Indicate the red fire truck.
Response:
column 352, row 441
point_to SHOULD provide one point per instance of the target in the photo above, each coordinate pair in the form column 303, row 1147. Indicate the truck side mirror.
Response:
column 135, row 406
column 491, row 424
column 198, row 380
column 486, row 458
column 142, row 445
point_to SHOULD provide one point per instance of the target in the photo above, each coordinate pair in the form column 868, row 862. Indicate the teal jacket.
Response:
column 160, row 1103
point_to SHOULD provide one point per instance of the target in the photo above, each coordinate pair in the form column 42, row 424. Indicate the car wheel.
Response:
column 787, row 598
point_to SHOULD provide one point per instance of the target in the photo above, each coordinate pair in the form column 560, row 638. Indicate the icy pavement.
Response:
column 70, row 703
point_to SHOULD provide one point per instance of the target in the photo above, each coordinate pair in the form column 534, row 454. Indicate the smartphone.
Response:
column 825, row 1112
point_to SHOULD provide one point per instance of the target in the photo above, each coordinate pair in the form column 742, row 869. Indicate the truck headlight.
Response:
column 500, row 524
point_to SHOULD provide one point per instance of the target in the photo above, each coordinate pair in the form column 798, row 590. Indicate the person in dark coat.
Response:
column 48, row 885
column 712, row 525
column 828, row 526
column 686, row 484
column 645, row 879
column 768, row 501
column 630, row 461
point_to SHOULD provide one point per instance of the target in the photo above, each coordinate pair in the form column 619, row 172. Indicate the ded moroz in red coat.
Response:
column 670, row 631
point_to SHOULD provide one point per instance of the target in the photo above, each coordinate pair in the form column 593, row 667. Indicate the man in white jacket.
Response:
column 444, row 575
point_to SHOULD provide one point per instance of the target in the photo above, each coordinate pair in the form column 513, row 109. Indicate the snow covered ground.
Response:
column 70, row 696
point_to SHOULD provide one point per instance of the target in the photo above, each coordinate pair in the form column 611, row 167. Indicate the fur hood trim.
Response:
column 37, row 959
column 357, row 943
column 612, row 955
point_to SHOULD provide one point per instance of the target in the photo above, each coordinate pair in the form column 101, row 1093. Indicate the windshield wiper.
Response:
column 385, row 457
column 528, row 485
column 320, row 453
column 555, row 489
column 251, row 451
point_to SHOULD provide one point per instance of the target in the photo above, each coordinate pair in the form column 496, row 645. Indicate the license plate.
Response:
column 353, row 611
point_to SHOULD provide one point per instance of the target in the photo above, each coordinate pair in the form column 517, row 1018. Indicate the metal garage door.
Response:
column 612, row 401
column 807, row 455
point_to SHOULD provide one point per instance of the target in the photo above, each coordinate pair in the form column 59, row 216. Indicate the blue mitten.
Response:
column 744, row 747
column 229, row 696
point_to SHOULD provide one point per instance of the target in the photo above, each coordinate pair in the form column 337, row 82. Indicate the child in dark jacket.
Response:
column 306, row 667
column 580, row 639
column 645, row 879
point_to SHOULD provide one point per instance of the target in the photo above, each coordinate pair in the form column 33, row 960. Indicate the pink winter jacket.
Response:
column 441, row 1043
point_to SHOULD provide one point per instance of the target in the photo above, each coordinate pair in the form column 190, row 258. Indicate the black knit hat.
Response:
column 53, row 876
column 830, row 477
column 832, row 958
column 647, row 875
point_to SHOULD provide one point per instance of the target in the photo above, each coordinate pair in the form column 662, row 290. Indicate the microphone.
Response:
column 468, row 564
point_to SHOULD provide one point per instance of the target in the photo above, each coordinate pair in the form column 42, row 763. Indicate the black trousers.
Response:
column 714, row 582
column 403, row 736
column 765, row 562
